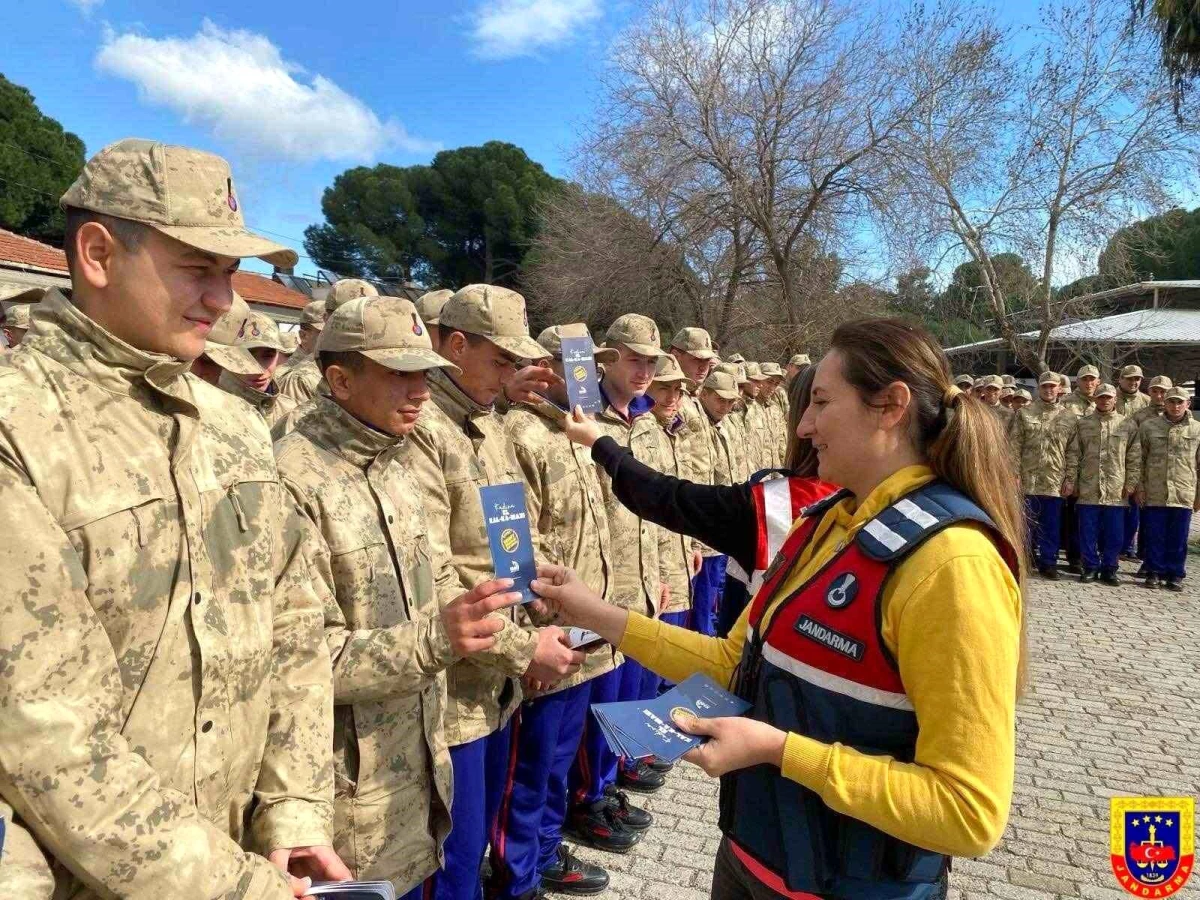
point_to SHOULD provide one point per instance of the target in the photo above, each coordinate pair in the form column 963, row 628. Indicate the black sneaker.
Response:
column 1086, row 577
column 641, row 778
column 1152, row 581
column 1050, row 573
column 598, row 826
column 1172, row 584
column 630, row 816
column 1110, row 578
column 1075, row 568
column 571, row 875
column 659, row 765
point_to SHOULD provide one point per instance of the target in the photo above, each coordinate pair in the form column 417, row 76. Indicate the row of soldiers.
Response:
column 240, row 655
column 1100, row 464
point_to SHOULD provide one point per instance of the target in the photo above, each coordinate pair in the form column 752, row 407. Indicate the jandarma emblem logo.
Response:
column 1152, row 843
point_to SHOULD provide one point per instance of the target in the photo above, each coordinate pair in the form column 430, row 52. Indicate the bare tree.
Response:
column 1041, row 153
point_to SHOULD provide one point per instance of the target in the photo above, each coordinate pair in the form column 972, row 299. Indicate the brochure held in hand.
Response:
column 579, row 369
column 509, row 536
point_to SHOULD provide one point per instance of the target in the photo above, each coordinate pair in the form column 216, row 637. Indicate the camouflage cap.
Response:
column 346, row 289
column 1085, row 371
column 429, row 305
column 1106, row 390
column 1006, row 391
column 18, row 315
column 290, row 341
column 384, row 329
column 735, row 358
column 1162, row 381
column 183, row 193
column 16, row 293
column 551, row 340
column 734, row 370
column 637, row 332
column 1022, row 394
column 986, row 381
column 1131, row 372
column 1178, row 393
column 772, row 370
column 1048, row 378
column 723, row 384
column 1064, row 381
column 495, row 313
column 313, row 315
column 754, row 372
column 695, row 342
column 964, row 380
column 259, row 330
column 221, row 344
column 667, row 371
column 800, row 359
column 1009, row 380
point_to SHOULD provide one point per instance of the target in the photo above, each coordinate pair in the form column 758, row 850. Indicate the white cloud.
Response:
column 238, row 84
column 507, row 28
column 87, row 7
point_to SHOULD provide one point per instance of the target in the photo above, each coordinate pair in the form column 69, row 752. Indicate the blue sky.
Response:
column 292, row 92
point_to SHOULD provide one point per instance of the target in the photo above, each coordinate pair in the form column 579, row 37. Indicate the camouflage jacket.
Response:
column 294, row 361
column 456, row 448
column 1039, row 436
column 658, row 446
column 300, row 381
column 1103, row 459
column 170, row 633
column 1003, row 416
column 733, row 435
column 1078, row 403
column 387, row 643
column 754, row 436
column 1129, row 404
column 694, row 443
column 771, row 456
column 1170, row 456
column 1147, row 412
column 634, row 541
column 726, row 451
column 564, row 500
column 272, row 407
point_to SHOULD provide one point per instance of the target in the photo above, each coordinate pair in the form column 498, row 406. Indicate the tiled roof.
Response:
column 17, row 251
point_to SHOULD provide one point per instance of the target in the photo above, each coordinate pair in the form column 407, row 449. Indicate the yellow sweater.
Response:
column 952, row 620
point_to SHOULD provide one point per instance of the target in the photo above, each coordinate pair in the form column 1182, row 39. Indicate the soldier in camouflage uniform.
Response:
column 797, row 364
column 734, row 427
column 429, row 308
column 1020, row 400
column 566, row 502
column 16, row 323
column 990, row 387
column 775, row 396
column 312, row 320
column 1006, row 398
column 259, row 336
column 964, row 382
column 389, row 639
column 1039, row 438
column 1169, row 489
column 221, row 352
column 1130, row 399
column 1159, row 385
column 169, row 704
column 302, row 380
column 1081, row 400
column 458, row 446
column 1101, row 471
column 756, row 445
column 635, row 542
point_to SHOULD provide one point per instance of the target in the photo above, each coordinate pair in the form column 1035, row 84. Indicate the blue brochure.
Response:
column 639, row 728
column 509, row 536
column 579, row 370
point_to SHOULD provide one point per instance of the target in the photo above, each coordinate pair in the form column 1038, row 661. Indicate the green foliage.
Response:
column 918, row 300
column 1177, row 23
column 966, row 296
column 1163, row 248
column 470, row 216
column 38, row 162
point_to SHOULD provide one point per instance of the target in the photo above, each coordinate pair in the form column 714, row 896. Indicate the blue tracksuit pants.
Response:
column 1043, row 514
column 1101, row 534
column 706, row 594
column 545, row 740
column 1166, row 530
column 481, row 772
column 595, row 766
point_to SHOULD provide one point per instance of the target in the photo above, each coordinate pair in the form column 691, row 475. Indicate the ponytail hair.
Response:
column 957, row 434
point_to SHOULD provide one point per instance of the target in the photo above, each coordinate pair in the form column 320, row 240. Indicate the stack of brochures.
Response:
column 641, row 728
column 354, row 890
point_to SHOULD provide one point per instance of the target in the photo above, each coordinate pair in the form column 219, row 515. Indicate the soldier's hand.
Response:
column 1196, row 506
column 1139, row 496
column 304, row 865
column 1067, row 489
column 467, row 618
column 580, row 429
column 553, row 660
column 530, row 382
column 664, row 599
column 697, row 562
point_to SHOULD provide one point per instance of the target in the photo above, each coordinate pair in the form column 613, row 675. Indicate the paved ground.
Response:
column 1113, row 708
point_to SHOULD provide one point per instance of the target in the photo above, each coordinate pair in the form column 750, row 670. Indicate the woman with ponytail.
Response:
column 882, row 652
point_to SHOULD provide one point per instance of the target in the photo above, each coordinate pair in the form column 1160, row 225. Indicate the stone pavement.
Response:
column 1113, row 709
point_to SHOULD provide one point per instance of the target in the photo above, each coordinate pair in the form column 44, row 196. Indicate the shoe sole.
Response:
column 643, row 790
column 588, row 841
column 575, row 892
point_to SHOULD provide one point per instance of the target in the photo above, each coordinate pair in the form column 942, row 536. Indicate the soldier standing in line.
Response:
column 797, row 364
column 990, row 389
column 429, row 308
column 174, row 680
column 1006, row 398
column 389, row 640
column 564, row 501
column 1078, row 402
column 1039, row 437
column 753, row 419
column 458, row 446
column 312, row 320
column 301, row 382
column 777, row 408
column 1101, row 471
column 259, row 336
column 734, row 427
column 1021, row 398
column 1159, row 385
column 1081, row 400
column 221, row 353
column 1169, row 490
column 1130, row 399
column 964, row 382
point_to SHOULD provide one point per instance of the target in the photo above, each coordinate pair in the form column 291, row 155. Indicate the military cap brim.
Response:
column 520, row 346
column 410, row 359
column 237, row 360
column 238, row 243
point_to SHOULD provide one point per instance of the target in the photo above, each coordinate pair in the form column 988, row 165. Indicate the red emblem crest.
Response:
column 417, row 329
column 232, row 200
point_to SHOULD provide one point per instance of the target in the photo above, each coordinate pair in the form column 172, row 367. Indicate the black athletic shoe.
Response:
column 1087, row 576
column 659, row 765
column 571, row 875
column 1075, row 569
column 641, row 778
column 1152, row 581
column 1050, row 573
column 1172, row 584
column 598, row 826
column 630, row 816
column 1110, row 578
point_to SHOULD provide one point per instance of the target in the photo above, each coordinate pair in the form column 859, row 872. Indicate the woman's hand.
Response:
column 580, row 428
column 734, row 743
column 566, row 597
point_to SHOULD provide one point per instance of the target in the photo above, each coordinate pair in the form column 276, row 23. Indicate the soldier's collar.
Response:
column 341, row 433
column 61, row 331
column 453, row 400
column 231, row 384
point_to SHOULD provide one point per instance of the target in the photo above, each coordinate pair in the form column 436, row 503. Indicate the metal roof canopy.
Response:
column 1139, row 326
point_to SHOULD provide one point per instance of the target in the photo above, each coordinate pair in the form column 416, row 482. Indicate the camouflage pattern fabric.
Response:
column 1103, row 459
column 1131, row 404
column 301, row 380
column 658, row 446
column 1039, row 436
column 1170, row 453
column 272, row 407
